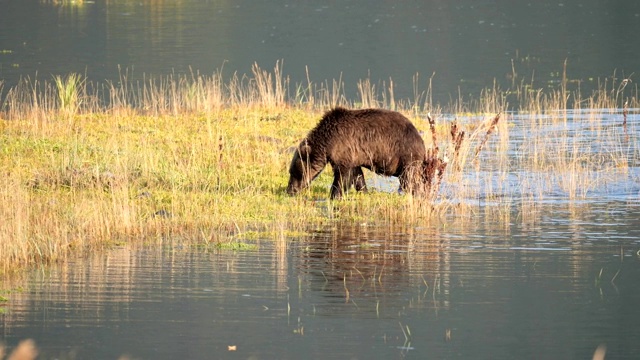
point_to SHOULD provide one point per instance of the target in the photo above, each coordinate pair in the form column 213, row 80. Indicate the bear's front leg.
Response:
column 342, row 179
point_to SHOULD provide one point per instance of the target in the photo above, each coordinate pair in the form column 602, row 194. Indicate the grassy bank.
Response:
column 203, row 160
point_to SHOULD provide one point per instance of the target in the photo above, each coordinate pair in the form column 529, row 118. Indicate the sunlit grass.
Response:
column 201, row 160
column 64, row 2
column 69, row 89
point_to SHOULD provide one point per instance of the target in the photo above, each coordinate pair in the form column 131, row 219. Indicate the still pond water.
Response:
column 555, row 289
column 549, row 281
column 465, row 44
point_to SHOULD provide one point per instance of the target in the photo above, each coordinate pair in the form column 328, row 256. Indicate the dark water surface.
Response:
column 555, row 288
column 466, row 44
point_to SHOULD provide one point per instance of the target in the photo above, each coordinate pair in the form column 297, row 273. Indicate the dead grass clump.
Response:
column 490, row 130
column 434, row 165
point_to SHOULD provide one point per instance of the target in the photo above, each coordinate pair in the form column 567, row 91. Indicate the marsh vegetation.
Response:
column 203, row 160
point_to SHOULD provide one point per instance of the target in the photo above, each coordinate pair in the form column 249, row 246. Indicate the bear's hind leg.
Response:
column 358, row 179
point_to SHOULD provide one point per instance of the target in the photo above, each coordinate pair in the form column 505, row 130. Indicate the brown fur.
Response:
column 382, row 141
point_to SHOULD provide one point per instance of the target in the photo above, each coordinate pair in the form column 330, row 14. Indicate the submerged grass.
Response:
column 199, row 160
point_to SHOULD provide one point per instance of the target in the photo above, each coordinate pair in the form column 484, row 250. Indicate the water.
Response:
column 552, row 289
column 464, row 45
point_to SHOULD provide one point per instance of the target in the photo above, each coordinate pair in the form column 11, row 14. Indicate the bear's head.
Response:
column 300, row 170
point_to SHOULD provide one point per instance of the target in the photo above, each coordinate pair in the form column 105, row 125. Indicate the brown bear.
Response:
column 382, row 141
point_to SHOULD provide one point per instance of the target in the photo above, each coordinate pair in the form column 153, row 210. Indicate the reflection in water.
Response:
column 365, row 265
column 555, row 287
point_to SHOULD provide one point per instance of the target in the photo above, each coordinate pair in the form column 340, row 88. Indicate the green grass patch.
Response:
column 236, row 246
